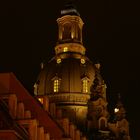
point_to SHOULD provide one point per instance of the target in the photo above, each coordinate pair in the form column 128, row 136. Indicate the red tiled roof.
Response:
column 10, row 84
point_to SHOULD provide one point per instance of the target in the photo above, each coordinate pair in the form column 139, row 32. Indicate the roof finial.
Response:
column 70, row 8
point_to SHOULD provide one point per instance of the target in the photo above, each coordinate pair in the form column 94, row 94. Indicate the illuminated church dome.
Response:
column 70, row 72
column 72, row 85
column 67, row 78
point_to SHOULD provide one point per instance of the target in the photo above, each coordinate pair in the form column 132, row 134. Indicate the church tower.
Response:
column 70, row 84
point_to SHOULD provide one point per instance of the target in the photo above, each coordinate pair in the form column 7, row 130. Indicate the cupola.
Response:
column 70, row 31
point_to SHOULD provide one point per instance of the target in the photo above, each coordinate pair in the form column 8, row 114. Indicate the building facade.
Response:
column 74, row 86
column 69, row 100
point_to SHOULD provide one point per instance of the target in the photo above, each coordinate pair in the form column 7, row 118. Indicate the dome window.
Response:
column 85, row 88
column 65, row 49
column 56, row 84
column 67, row 31
column 58, row 61
column 40, row 100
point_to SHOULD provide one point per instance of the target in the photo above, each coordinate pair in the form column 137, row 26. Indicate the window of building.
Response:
column 85, row 85
column 65, row 49
column 56, row 85
column 67, row 31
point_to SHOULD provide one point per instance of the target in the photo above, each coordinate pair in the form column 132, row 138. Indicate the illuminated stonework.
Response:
column 70, row 27
column 85, row 86
column 74, row 86
column 65, row 49
column 70, row 96
column 71, row 47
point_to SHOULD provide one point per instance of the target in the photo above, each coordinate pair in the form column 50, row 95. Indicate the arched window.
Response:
column 85, row 85
column 102, row 123
column 56, row 84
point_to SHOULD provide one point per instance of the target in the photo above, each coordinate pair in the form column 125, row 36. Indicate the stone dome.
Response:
column 70, row 71
column 67, row 79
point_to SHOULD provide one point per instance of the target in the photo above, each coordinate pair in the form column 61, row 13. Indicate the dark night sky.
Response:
column 111, row 34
